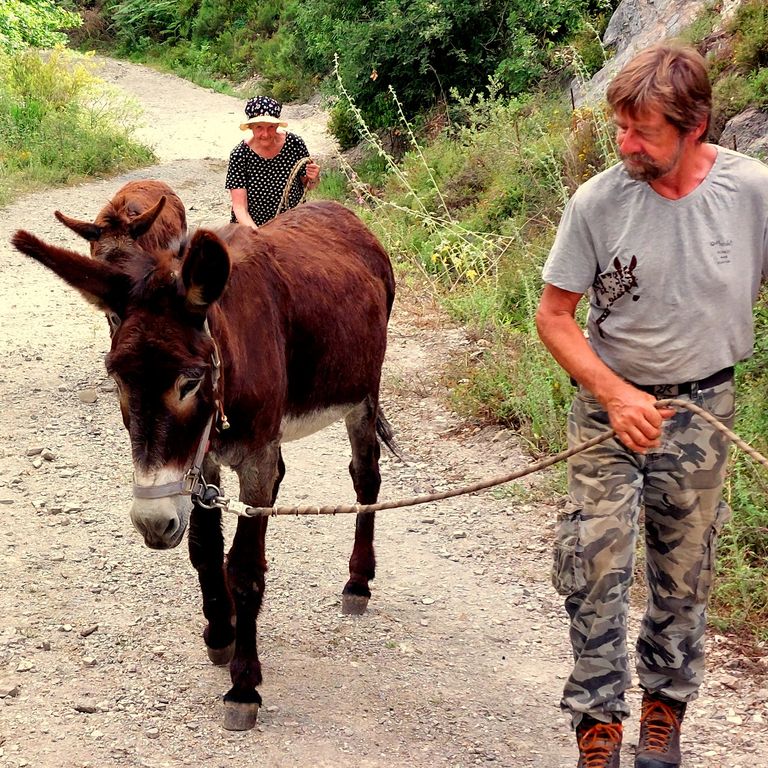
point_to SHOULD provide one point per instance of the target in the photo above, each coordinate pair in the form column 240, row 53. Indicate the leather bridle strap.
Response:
column 192, row 483
column 189, row 484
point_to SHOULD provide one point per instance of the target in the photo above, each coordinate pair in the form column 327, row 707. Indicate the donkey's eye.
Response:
column 188, row 385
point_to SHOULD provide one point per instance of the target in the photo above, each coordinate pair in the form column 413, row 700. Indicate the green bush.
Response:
column 58, row 124
column 750, row 25
column 423, row 48
column 758, row 84
column 138, row 24
column 730, row 95
column 741, row 591
column 342, row 125
column 207, row 19
column 36, row 23
column 276, row 60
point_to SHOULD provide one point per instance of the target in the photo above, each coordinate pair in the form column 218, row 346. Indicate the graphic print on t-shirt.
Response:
column 609, row 287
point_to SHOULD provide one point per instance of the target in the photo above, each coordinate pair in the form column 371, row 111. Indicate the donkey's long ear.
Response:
column 205, row 270
column 99, row 282
column 141, row 224
column 87, row 230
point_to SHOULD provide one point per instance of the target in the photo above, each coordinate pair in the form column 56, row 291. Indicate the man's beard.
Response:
column 645, row 168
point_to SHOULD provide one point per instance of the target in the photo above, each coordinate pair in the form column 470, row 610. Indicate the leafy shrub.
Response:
column 140, row 23
column 730, row 95
column 758, row 83
column 750, row 24
column 424, row 48
column 740, row 591
column 701, row 27
column 58, row 123
column 587, row 46
column 36, row 23
column 275, row 59
column 214, row 16
column 343, row 125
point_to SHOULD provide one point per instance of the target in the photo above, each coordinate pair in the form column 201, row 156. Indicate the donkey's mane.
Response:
column 153, row 274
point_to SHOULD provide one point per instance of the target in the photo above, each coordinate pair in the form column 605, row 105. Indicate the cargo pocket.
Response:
column 707, row 573
column 567, row 571
column 720, row 402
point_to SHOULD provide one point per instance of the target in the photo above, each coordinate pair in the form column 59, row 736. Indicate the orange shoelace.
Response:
column 598, row 743
column 660, row 721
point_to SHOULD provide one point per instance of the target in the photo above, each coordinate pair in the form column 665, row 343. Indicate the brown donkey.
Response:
column 224, row 349
column 147, row 211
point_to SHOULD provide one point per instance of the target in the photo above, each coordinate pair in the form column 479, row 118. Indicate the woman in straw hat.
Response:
column 259, row 167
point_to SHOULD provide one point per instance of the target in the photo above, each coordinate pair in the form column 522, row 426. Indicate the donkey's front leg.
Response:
column 206, row 552
column 246, row 566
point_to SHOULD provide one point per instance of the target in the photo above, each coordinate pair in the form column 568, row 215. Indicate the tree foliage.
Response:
column 423, row 49
column 35, row 23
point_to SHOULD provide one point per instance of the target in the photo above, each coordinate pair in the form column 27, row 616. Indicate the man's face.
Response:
column 650, row 146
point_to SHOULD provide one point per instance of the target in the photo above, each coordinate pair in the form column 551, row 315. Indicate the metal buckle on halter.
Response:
column 192, row 481
column 208, row 496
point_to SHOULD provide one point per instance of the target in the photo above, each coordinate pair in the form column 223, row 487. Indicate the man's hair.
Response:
column 670, row 78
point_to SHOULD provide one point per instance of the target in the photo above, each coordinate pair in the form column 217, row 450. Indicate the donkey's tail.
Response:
column 387, row 434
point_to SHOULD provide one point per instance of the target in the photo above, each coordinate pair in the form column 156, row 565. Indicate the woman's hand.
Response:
column 312, row 178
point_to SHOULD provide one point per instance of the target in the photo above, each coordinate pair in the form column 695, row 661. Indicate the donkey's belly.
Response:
column 294, row 428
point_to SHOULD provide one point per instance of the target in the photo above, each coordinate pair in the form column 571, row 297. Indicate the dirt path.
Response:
column 462, row 655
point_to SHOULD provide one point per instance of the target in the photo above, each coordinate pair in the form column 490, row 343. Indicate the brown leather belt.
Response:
column 662, row 391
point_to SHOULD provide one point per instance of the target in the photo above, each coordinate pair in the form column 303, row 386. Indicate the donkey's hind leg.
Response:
column 364, row 469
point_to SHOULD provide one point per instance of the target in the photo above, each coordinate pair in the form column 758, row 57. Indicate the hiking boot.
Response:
column 659, row 742
column 599, row 743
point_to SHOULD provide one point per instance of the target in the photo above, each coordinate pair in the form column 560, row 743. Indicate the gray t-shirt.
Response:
column 671, row 283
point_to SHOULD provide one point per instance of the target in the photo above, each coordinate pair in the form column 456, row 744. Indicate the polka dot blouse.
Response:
column 264, row 179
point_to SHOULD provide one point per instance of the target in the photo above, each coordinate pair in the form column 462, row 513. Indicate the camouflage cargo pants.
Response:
column 679, row 487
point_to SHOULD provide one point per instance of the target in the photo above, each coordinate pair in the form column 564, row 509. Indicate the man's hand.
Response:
column 635, row 418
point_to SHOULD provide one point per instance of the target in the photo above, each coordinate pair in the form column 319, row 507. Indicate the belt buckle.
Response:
column 665, row 391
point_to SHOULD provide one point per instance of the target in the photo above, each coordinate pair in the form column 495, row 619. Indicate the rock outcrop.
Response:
column 748, row 133
column 635, row 25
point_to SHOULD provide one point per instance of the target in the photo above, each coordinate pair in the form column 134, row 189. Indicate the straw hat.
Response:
column 262, row 109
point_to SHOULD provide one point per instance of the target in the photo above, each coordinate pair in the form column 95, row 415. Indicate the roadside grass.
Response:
column 740, row 598
column 189, row 63
column 58, row 124
column 473, row 214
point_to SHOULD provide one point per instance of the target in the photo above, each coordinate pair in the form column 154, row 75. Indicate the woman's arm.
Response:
column 240, row 207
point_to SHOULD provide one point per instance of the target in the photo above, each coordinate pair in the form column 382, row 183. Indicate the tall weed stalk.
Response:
column 456, row 253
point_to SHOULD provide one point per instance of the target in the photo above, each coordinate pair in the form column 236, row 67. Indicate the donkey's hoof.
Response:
column 221, row 656
column 240, row 716
column 353, row 605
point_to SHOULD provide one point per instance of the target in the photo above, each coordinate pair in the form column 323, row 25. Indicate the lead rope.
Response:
column 243, row 510
column 283, row 204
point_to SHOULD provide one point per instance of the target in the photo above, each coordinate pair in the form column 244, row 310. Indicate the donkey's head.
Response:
column 162, row 359
column 147, row 211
